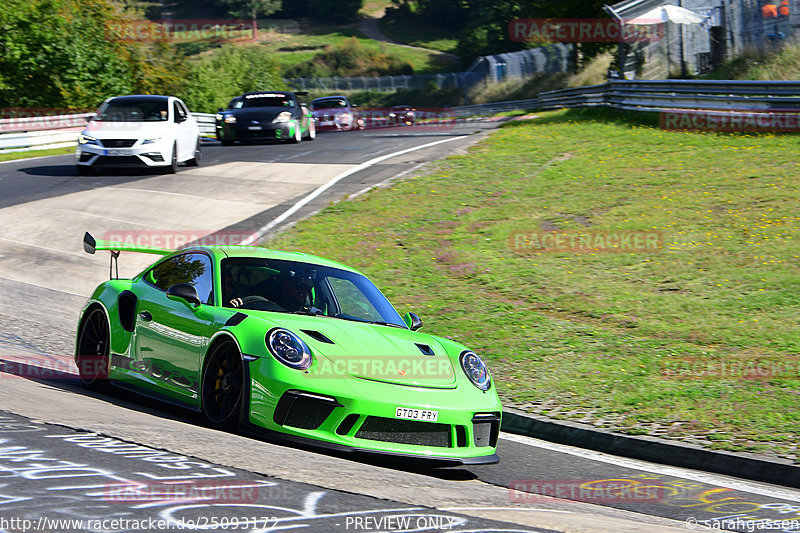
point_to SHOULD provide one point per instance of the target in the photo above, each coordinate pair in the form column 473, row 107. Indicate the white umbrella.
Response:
column 668, row 13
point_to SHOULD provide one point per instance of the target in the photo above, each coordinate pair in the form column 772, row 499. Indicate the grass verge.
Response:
column 696, row 339
column 11, row 156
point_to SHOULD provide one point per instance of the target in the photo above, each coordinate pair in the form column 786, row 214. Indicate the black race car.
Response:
column 265, row 115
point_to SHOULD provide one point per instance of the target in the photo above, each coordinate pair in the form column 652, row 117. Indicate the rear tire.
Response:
column 222, row 386
column 92, row 349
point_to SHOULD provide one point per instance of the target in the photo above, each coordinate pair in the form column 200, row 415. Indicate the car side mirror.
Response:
column 90, row 118
column 185, row 293
column 412, row 321
column 353, row 105
column 180, row 118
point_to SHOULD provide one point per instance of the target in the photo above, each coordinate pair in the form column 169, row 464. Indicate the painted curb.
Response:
column 653, row 449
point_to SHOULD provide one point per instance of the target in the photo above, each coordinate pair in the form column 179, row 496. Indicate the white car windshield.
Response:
column 133, row 110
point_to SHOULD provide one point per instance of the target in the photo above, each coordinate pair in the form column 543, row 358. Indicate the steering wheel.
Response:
column 253, row 298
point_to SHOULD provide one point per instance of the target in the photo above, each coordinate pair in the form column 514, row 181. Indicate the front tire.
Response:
column 92, row 349
column 222, row 386
column 298, row 134
column 172, row 168
column 195, row 161
column 312, row 130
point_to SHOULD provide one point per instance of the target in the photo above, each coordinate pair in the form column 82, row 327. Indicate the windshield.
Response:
column 294, row 287
column 132, row 110
column 328, row 104
column 268, row 100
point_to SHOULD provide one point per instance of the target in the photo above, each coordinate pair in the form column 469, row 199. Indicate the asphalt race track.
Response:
column 69, row 454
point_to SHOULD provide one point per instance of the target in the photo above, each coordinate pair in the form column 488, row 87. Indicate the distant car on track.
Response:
column 336, row 113
column 139, row 131
column 265, row 115
column 402, row 114
column 290, row 345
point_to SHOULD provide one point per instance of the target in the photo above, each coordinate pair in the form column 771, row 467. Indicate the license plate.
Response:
column 416, row 414
column 118, row 152
column 254, row 128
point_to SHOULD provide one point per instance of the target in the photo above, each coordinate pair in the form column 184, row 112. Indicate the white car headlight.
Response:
column 344, row 116
column 289, row 349
column 476, row 370
column 85, row 139
column 283, row 116
column 230, row 119
column 151, row 141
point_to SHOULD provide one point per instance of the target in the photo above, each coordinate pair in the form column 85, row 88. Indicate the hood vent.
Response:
column 317, row 336
column 425, row 349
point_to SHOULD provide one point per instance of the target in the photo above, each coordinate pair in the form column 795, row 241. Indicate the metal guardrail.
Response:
column 660, row 95
column 636, row 95
column 61, row 131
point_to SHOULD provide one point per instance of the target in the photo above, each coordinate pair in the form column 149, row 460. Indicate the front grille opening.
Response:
column 347, row 424
column 485, row 429
column 405, row 432
column 316, row 335
column 85, row 157
column 156, row 158
column 302, row 412
column 118, row 143
column 461, row 436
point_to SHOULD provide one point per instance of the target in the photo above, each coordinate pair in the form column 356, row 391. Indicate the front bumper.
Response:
column 359, row 415
column 138, row 155
column 265, row 132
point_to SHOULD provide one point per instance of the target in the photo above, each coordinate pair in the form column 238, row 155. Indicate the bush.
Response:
column 350, row 58
column 214, row 79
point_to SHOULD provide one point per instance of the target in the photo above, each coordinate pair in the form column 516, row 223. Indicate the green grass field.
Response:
column 292, row 48
column 11, row 156
column 696, row 339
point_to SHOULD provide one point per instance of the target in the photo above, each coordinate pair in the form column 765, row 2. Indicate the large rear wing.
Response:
column 91, row 245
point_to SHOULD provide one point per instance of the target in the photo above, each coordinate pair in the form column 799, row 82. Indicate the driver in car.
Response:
column 292, row 295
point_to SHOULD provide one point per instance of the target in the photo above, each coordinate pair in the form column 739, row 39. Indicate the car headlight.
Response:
column 229, row 119
column 411, row 113
column 289, row 349
column 218, row 116
column 85, row 139
column 283, row 116
column 391, row 114
column 151, row 141
column 476, row 370
column 344, row 116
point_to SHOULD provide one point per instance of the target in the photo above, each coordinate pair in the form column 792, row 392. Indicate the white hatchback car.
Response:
column 139, row 131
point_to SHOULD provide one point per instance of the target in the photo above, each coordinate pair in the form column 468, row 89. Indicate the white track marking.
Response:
column 319, row 190
column 636, row 464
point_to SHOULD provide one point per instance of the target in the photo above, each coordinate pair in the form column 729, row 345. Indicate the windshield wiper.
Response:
column 381, row 323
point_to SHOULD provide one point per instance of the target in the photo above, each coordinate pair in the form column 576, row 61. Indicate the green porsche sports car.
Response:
column 291, row 345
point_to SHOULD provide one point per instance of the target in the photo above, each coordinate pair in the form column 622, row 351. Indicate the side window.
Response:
column 194, row 269
column 183, row 109
column 180, row 116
